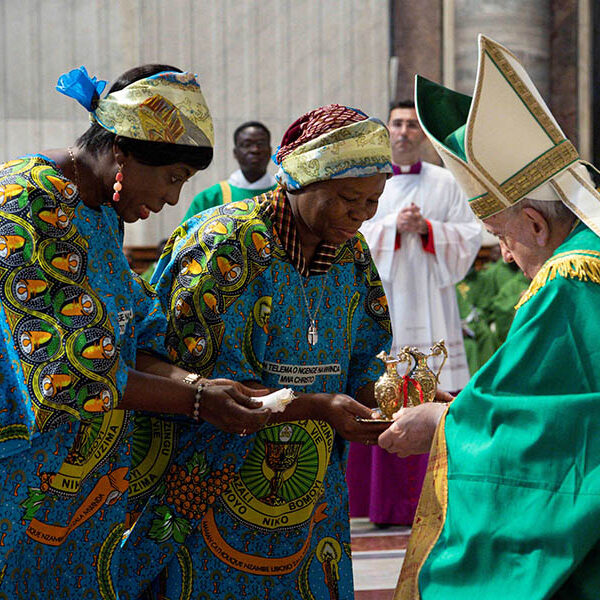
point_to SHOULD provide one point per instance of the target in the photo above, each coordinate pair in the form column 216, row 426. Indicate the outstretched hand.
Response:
column 413, row 429
column 341, row 412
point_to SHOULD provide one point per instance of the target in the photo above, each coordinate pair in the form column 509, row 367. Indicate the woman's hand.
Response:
column 413, row 429
column 341, row 412
column 229, row 406
column 226, row 404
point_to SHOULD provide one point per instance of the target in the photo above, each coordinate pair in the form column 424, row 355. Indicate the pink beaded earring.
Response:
column 118, row 185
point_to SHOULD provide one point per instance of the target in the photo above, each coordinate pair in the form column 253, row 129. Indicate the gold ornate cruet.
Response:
column 420, row 381
column 388, row 388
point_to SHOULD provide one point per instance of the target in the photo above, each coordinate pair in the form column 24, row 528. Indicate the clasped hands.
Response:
column 410, row 220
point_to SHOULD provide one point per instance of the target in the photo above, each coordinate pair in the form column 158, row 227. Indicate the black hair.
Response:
column 98, row 140
column 247, row 124
column 402, row 104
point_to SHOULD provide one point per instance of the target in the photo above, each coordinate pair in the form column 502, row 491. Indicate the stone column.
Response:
column 542, row 33
column 416, row 45
column 564, row 66
column 416, row 42
column 524, row 27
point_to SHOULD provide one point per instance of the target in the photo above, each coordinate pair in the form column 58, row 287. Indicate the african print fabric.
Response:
column 72, row 315
column 222, row 193
column 167, row 107
column 278, row 526
column 315, row 123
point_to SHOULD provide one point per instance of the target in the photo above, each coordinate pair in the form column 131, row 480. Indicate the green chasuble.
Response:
column 221, row 193
column 511, row 502
column 480, row 342
column 486, row 303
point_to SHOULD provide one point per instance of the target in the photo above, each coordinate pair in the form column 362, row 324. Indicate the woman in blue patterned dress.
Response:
column 278, row 291
column 81, row 332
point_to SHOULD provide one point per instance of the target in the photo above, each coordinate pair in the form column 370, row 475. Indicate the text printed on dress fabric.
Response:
column 300, row 374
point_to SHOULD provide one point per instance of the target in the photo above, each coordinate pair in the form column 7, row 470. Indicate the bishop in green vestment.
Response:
column 511, row 502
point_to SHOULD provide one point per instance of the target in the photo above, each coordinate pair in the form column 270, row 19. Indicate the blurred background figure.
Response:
column 486, row 302
column 252, row 150
column 423, row 239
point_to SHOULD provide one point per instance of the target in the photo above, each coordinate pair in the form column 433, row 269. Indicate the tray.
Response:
column 380, row 420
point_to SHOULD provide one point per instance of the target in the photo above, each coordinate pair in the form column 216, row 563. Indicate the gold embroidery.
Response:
column 430, row 517
column 542, row 168
column 485, row 206
column 539, row 171
column 583, row 265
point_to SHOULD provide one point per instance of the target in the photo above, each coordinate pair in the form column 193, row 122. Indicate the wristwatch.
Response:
column 192, row 378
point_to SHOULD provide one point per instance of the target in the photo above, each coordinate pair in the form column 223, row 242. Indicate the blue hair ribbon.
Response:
column 79, row 85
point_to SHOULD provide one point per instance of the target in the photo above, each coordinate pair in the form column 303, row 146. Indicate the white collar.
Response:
column 237, row 179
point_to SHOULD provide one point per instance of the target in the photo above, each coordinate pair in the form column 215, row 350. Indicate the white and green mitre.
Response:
column 503, row 144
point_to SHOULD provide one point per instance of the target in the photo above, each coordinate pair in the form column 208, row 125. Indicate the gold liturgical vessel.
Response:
column 388, row 388
column 417, row 385
column 420, row 381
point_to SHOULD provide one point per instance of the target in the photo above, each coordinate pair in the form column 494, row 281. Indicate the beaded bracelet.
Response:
column 192, row 379
column 197, row 400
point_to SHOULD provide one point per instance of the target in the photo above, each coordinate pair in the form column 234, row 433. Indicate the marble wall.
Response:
column 270, row 60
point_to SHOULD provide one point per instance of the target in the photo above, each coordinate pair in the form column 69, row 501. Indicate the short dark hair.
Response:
column 402, row 104
column 98, row 140
column 247, row 124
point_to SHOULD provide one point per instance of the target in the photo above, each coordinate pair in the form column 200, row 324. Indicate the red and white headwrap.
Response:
column 332, row 142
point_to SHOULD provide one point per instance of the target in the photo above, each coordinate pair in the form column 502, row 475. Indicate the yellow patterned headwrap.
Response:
column 359, row 149
column 167, row 107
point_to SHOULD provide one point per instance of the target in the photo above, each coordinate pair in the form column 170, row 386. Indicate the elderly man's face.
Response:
column 516, row 233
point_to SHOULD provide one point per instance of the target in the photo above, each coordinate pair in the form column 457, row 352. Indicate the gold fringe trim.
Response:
column 570, row 265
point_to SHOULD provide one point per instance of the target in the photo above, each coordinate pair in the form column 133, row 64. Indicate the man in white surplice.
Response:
column 423, row 238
